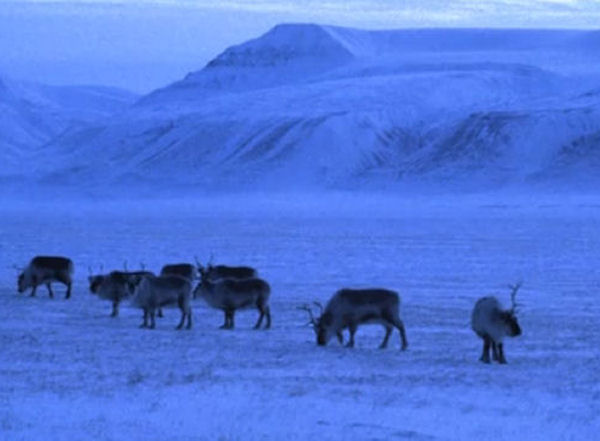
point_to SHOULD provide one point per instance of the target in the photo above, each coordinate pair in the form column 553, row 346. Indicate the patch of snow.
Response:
column 69, row 371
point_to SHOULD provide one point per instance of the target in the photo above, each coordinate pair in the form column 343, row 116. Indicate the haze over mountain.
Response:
column 33, row 114
column 316, row 106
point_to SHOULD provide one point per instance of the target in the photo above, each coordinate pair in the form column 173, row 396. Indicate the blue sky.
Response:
column 144, row 44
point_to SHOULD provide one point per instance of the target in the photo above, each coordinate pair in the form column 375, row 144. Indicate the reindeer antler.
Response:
column 125, row 265
column 514, row 288
column 312, row 320
column 143, row 266
column 320, row 306
column 17, row 268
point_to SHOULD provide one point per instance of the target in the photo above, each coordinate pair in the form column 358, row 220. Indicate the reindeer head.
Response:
column 203, row 270
column 132, row 281
column 204, row 285
column 322, row 325
column 22, row 285
column 95, row 282
column 509, row 317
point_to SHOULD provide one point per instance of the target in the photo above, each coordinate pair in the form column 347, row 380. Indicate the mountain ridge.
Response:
column 344, row 116
column 32, row 114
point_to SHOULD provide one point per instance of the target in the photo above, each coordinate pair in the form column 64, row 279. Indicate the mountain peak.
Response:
column 286, row 44
column 287, row 53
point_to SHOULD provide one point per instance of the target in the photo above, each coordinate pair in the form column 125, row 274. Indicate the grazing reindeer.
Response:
column 492, row 324
column 115, row 286
column 45, row 270
column 350, row 307
column 231, row 294
column 151, row 293
column 185, row 270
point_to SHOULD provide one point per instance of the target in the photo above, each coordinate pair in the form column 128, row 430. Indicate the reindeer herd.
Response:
column 230, row 288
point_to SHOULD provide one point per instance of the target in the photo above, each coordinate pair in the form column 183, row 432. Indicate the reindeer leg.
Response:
column 152, row 318
column 388, row 332
column 400, row 325
column 145, row 323
column 268, row 314
column 65, row 280
column 182, row 321
column 494, row 351
column 485, row 354
column 68, row 293
column 352, row 328
column 182, row 307
column 50, row 292
column 34, row 286
column 340, row 337
column 260, row 317
column 115, row 308
column 231, row 314
column 160, row 313
column 501, row 358
column 189, row 318
column 225, row 325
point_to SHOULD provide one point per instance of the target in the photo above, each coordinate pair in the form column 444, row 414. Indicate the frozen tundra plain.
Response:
column 68, row 371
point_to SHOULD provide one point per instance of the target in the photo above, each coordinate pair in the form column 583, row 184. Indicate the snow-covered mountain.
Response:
column 310, row 105
column 33, row 114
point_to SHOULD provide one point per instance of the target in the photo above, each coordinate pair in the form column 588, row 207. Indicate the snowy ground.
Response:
column 70, row 372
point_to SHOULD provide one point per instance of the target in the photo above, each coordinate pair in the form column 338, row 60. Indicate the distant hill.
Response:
column 327, row 107
column 33, row 114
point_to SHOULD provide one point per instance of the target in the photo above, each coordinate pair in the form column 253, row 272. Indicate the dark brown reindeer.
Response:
column 492, row 323
column 232, row 294
column 215, row 272
column 186, row 270
column 43, row 270
column 349, row 308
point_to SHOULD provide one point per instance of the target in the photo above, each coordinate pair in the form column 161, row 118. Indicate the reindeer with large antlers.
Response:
column 492, row 323
column 349, row 308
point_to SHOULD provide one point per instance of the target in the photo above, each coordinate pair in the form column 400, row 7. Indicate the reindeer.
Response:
column 142, row 272
column 349, row 308
column 151, row 293
column 492, row 323
column 232, row 294
column 45, row 270
column 185, row 270
column 215, row 272
column 115, row 286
